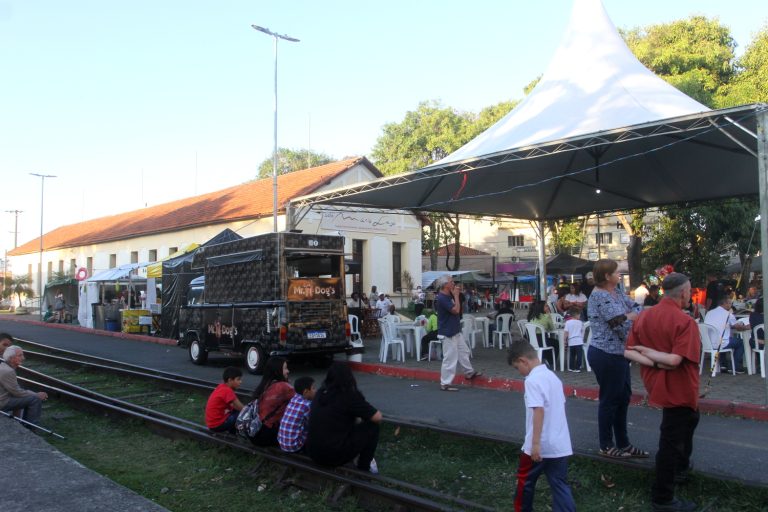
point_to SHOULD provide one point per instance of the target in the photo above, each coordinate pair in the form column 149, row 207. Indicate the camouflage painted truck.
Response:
column 278, row 294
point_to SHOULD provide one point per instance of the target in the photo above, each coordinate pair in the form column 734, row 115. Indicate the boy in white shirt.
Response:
column 547, row 443
column 574, row 339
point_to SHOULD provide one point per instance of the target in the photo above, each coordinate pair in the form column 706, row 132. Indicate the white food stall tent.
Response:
column 599, row 133
column 92, row 289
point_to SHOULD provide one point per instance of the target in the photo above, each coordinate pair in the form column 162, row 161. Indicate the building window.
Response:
column 357, row 256
column 112, row 260
column 89, row 265
column 61, row 266
column 603, row 238
column 72, row 266
column 172, row 250
column 153, row 255
column 29, row 271
column 134, row 256
column 515, row 241
column 50, row 271
column 397, row 266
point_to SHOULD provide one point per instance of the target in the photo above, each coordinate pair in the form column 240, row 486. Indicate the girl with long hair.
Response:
column 343, row 426
column 273, row 393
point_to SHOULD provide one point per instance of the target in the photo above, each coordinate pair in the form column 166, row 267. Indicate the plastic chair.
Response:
column 470, row 332
column 558, row 320
column 521, row 325
column 586, row 335
column 502, row 329
column 354, row 330
column 533, row 330
column 438, row 346
column 757, row 351
column 388, row 340
column 710, row 339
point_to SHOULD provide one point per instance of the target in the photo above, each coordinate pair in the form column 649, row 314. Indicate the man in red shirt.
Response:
column 223, row 406
column 666, row 342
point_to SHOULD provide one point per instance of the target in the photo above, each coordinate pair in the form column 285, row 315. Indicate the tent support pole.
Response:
column 542, row 263
column 762, row 169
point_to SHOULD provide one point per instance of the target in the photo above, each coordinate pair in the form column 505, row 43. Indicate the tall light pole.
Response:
column 40, row 268
column 275, row 36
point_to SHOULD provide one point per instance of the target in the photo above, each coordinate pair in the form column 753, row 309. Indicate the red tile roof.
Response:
column 245, row 201
column 463, row 251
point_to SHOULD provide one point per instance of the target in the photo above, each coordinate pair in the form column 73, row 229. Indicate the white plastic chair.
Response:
column 558, row 320
column 470, row 332
column 533, row 330
column 438, row 346
column 502, row 329
column 521, row 325
column 354, row 330
column 586, row 335
column 388, row 340
column 710, row 339
column 757, row 351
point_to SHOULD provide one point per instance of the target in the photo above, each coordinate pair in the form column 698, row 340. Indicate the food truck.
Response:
column 278, row 294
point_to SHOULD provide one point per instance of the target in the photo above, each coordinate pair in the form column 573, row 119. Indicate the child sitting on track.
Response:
column 293, row 426
column 547, row 442
column 223, row 406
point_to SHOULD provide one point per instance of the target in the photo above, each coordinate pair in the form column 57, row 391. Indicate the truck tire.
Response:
column 255, row 359
column 197, row 352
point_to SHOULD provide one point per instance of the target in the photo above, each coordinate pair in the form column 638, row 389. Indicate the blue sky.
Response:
column 142, row 102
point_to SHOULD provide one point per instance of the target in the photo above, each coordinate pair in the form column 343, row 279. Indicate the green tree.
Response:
column 696, row 55
column 19, row 286
column 289, row 160
column 565, row 235
column 750, row 85
column 696, row 240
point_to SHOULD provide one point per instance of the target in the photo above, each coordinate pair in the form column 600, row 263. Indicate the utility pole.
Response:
column 15, row 226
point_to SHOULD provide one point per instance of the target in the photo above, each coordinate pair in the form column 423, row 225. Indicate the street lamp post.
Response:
column 275, row 36
column 40, row 268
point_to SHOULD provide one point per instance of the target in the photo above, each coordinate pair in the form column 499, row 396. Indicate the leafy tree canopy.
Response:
column 750, row 85
column 289, row 160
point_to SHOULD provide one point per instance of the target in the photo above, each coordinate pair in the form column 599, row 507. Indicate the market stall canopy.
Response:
column 568, row 264
column 429, row 277
column 121, row 273
column 599, row 132
column 156, row 269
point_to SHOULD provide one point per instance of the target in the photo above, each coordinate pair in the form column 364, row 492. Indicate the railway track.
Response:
column 372, row 492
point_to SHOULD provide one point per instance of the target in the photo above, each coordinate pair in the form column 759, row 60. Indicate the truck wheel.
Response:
column 255, row 359
column 197, row 352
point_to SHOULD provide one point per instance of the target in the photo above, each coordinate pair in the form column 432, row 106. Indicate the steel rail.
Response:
column 184, row 428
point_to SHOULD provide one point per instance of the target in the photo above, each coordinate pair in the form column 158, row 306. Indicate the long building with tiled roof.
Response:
column 383, row 243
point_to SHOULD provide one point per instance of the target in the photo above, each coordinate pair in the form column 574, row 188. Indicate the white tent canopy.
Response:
column 594, row 83
column 427, row 278
column 123, row 272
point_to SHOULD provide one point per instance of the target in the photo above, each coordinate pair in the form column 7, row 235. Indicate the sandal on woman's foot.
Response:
column 636, row 453
column 614, row 453
column 448, row 388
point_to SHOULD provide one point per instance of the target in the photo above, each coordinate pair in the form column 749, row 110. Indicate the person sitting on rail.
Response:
column 273, row 393
column 6, row 340
column 292, row 434
column 343, row 426
column 49, row 315
column 547, row 444
column 13, row 396
column 222, row 407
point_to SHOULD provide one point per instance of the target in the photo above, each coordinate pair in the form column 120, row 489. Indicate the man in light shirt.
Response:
column 723, row 320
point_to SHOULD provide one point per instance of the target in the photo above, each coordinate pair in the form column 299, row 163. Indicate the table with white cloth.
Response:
column 412, row 331
column 745, row 337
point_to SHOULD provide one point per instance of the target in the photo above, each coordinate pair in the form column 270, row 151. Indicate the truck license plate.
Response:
column 316, row 335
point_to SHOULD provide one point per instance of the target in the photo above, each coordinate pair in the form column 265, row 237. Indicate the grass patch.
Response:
column 192, row 476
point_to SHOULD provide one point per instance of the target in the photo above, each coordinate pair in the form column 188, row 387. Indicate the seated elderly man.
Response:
column 12, row 396
column 723, row 321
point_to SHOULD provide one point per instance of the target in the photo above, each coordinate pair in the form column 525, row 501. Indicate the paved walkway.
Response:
column 39, row 478
column 741, row 395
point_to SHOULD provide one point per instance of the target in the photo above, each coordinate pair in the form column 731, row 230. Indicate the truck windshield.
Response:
column 312, row 265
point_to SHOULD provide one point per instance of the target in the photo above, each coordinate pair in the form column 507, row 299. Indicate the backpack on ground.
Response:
column 248, row 423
